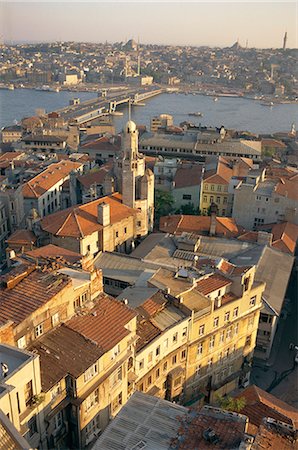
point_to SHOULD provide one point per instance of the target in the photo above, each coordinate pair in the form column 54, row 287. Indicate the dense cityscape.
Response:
column 148, row 293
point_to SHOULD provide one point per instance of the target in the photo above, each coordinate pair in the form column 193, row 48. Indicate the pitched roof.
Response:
column 288, row 187
column 105, row 323
column 56, row 172
column 63, row 351
column 22, row 237
column 103, row 143
column 188, row 176
column 95, row 177
column 81, row 221
column 212, row 283
column 28, row 289
column 199, row 224
column 53, row 251
column 260, row 404
column 221, row 174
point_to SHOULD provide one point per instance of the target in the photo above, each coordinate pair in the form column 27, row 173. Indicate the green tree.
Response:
column 188, row 209
column 163, row 204
column 231, row 404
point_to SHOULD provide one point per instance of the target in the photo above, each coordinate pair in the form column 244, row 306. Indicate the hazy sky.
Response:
column 162, row 22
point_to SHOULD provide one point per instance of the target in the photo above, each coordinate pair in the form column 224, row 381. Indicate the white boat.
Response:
column 271, row 104
column 196, row 114
column 215, row 99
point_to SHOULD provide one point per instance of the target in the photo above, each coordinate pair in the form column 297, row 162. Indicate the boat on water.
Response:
column 196, row 114
column 10, row 87
column 270, row 104
column 215, row 99
column 46, row 88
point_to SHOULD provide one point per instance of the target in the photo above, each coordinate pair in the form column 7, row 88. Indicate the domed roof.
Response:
column 130, row 126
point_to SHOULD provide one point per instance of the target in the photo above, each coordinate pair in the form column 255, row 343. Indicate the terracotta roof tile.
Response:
column 29, row 292
column 55, row 252
column 188, row 176
column 199, row 224
column 212, row 283
column 80, row 221
column 22, row 237
column 260, row 404
column 42, row 182
column 146, row 332
column 95, row 177
column 105, row 323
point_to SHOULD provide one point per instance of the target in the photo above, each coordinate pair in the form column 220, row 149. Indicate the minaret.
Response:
column 285, row 41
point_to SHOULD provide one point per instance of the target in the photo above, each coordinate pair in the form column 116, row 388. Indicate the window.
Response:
column 55, row 319
column 58, row 420
column 222, row 337
column 116, row 403
column 90, row 373
column 198, row 370
column 227, row 352
column 157, row 351
column 246, row 284
column 248, row 341
column 263, row 318
column 39, row 330
column 150, row 357
column 215, row 322
column 218, row 200
column 184, row 333
column 253, row 301
column 32, row 426
column 141, row 387
column 209, row 365
column 116, row 377
column 166, row 343
column 157, row 374
column 201, row 330
column 56, row 391
column 212, row 187
column 22, row 342
column 165, row 366
column 227, row 316
column 28, row 393
column 141, row 364
column 212, row 342
column 125, row 230
column 250, row 321
column 115, row 351
column 186, row 196
column 200, row 349
column 225, row 200
column 117, row 234
column 149, row 380
column 205, row 198
column 88, row 248
column 183, row 354
column 175, row 337
column 174, row 359
column 235, row 312
column 236, row 329
column 229, row 333
column 177, row 381
column 139, row 223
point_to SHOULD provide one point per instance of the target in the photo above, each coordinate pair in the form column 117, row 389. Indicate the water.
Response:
column 237, row 113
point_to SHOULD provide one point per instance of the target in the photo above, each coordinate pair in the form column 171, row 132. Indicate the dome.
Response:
column 130, row 127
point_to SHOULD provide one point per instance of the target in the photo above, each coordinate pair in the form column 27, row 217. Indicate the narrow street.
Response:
column 279, row 375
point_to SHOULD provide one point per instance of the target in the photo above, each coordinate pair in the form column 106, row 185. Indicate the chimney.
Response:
column 103, row 214
column 264, row 238
column 213, row 210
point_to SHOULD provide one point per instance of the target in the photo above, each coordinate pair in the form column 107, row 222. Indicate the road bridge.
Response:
column 108, row 103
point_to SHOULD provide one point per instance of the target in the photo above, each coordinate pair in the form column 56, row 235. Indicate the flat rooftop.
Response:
column 13, row 358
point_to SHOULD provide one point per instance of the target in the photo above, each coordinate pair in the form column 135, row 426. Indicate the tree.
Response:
column 231, row 404
column 163, row 204
column 188, row 209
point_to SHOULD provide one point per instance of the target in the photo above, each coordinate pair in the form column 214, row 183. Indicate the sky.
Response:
column 195, row 23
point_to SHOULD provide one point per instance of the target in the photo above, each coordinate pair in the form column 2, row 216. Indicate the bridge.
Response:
column 106, row 104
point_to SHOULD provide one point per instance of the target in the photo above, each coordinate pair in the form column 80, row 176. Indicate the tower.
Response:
column 134, row 181
column 285, row 41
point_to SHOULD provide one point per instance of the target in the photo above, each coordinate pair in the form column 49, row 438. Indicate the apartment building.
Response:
column 214, row 189
column 21, row 397
column 33, row 299
column 87, row 369
column 263, row 199
column 225, row 307
column 43, row 192
column 161, row 350
column 12, row 133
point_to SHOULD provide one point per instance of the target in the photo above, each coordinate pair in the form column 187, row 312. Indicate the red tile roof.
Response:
column 212, row 283
column 176, row 224
column 42, row 182
column 81, row 221
column 260, row 404
column 22, row 237
column 105, row 323
column 30, row 289
column 55, row 252
column 221, row 175
column 146, row 332
column 96, row 177
column 152, row 305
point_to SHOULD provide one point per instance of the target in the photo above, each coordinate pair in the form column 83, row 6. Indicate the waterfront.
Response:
column 232, row 112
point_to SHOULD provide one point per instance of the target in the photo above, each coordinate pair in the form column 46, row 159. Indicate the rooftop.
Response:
column 81, row 221
column 14, row 358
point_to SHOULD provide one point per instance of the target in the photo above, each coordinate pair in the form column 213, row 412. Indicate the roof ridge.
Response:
column 77, row 221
